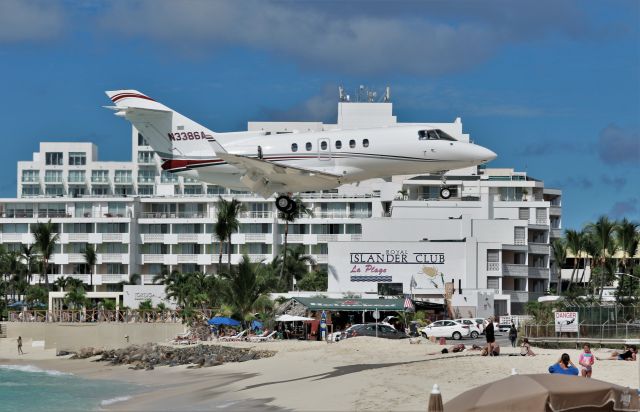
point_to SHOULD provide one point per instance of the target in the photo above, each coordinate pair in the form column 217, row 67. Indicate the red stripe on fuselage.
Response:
column 125, row 95
column 182, row 164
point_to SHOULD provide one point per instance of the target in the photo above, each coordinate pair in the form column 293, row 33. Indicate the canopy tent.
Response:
column 221, row 320
column 256, row 324
column 291, row 318
column 352, row 304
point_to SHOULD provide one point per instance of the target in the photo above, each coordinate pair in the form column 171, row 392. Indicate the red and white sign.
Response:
column 566, row 321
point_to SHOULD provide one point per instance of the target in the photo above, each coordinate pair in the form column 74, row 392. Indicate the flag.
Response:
column 413, row 283
column 408, row 305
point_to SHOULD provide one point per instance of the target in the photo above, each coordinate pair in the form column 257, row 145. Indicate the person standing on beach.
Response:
column 586, row 360
column 20, row 352
column 490, row 335
column 513, row 335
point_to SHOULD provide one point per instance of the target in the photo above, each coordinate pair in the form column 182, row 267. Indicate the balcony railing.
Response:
column 30, row 179
column 173, row 215
column 256, row 215
column 76, row 179
column 99, row 179
column 53, row 179
column 541, row 273
column 539, row 248
column 152, row 258
column 153, row 237
column 123, row 179
column 146, row 179
column 255, row 237
column 493, row 266
column 512, row 269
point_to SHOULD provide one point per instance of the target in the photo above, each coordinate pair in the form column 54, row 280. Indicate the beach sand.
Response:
column 355, row 374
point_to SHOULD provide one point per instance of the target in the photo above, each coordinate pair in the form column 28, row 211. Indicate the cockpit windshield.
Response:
column 434, row 134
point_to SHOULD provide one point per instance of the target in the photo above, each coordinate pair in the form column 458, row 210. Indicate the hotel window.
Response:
column 76, row 176
column 76, row 247
column 77, row 158
column 365, row 143
column 113, row 228
column 116, row 269
column 142, row 141
column 192, row 190
column 145, row 190
column 154, row 229
column 338, row 144
column 155, row 249
column 323, row 145
column 145, row 157
column 53, row 158
column 216, row 190
column 113, row 248
column 122, row 176
column 308, row 146
column 146, row 176
column 493, row 260
column 100, row 176
column 30, row 176
column 352, row 144
column 520, row 284
column 54, row 191
column 76, row 191
column 15, row 228
column 493, row 282
column 99, row 191
column 29, row 191
column 53, row 176
column 294, row 147
column 117, row 209
column 519, row 236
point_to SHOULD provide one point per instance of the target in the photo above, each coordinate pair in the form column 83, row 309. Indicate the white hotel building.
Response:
column 495, row 230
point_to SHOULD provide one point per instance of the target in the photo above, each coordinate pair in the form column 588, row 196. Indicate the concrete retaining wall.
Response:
column 73, row 336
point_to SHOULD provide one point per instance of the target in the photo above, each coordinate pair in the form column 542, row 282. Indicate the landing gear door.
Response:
column 324, row 150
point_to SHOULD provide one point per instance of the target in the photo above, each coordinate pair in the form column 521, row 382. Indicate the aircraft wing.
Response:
column 266, row 178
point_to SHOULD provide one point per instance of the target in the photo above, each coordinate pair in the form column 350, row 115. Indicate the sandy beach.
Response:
column 356, row 374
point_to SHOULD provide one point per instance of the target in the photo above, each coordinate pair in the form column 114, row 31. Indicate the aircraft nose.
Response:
column 485, row 155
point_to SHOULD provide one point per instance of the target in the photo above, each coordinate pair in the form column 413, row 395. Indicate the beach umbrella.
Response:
column 546, row 392
column 221, row 320
column 256, row 324
column 18, row 304
column 435, row 400
column 292, row 318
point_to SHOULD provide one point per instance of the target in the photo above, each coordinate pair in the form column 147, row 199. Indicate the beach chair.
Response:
column 235, row 337
column 263, row 338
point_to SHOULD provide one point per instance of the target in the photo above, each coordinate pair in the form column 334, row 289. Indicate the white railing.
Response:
column 75, row 257
column 152, row 258
column 520, row 241
column 112, row 258
column 493, row 266
column 183, row 258
column 114, row 278
column 327, row 238
column 173, row 215
column 255, row 258
column 256, row 215
column 78, row 237
column 255, row 237
column 112, row 237
column 539, row 248
column 187, row 237
column 322, row 258
column 153, row 237
column 293, row 238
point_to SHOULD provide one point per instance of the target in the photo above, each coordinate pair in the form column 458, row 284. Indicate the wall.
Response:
column 73, row 336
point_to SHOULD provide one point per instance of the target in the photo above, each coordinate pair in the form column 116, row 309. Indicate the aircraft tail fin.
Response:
column 170, row 134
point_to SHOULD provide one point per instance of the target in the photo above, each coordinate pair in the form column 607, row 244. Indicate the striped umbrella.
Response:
column 408, row 305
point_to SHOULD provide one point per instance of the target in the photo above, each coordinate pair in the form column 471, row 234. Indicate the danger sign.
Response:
column 566, row 321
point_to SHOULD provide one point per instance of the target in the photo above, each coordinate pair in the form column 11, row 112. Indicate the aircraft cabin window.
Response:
column 308, row 147
column 294, row 147
column 352, row 144
column 338, row 144
column 444, row 136
column 323, row 145
column 365, row 143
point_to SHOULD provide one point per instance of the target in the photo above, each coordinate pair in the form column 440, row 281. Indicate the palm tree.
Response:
column 74, row 283
column 245, row 289
column 162, row 277
column 294, row 265
column 559, row 250
column 626, row 236
column 45, row 242
column 299, row 211
column 592, row 254
column 90, row 258
column 602, row 231
column 27, row 252
column 12, row 268
column 61, row 283
column 36, row 295
column 76, row 298
column 574, row 244
column 227, row 223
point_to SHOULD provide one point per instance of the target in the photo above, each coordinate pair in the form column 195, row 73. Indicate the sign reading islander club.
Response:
column 360, row 266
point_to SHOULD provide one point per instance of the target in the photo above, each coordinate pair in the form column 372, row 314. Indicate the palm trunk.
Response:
column 46, row 273
column 584, row 269
column 284, row 252
column 220, row 256
column 229, row 255
column 575, row 267
column 602, row 278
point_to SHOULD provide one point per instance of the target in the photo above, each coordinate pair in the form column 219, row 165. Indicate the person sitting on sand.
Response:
column 629, row 353
column 525, row 348
column 564, row 366
column 460, row 347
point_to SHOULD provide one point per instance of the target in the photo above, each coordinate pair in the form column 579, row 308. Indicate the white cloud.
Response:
column 418, row 39
column 29, row 20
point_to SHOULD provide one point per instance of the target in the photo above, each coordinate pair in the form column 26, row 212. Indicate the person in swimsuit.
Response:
column 629, row 353
column 525, row 348
column 20, row 346
column 586, row 360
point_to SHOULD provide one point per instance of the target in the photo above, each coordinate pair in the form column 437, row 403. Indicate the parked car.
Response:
column 474, row 328
column 369, row 329
column 447, row 329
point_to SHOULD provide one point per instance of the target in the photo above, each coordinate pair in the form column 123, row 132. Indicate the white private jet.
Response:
column 294, row 162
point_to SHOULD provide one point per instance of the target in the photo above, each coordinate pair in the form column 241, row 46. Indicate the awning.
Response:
column 291, row 318
column 356, row 305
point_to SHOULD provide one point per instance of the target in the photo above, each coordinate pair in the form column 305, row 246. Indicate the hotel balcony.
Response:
column 16, row 238
column 173, row 215
column 555, row 233
column 512, row 269
column 52, row 179
column 115, row 237
column 522, row 296
column 257, row 237
column 153, row 238
column 30, row 180
column 313, row 239
column 153, row 258
column 538, row 273
column 113, row 258
column 539, row 248
column 146, row 180
column 555, row 210
column 100, row 180
column 111, row 278
column 493, row 266
column 126, row 180
column 256, row 215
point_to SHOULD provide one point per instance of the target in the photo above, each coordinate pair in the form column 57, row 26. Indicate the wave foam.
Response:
column 33, row 369
column 114, row 400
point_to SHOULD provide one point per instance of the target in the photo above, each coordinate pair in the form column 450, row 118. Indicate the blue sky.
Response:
column 552, row 86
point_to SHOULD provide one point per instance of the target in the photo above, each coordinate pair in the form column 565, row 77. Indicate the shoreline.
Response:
column 355, row 374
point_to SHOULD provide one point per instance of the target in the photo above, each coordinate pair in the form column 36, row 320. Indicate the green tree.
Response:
column 61, row 283
column 90, row 258
column 29, row 260
column 592, row 254
column 602, row 232
column 76, row 298
column 559, row 251
column 45, row 242
column 36, row 295
column 245, row 288
column 626, row 236
column 316, row 280
column 145, row 305
column 574, row 244
column 108, row 304
column 227, row 224
column 298, row 212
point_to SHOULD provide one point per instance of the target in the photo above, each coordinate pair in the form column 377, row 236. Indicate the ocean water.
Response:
column 28, row 388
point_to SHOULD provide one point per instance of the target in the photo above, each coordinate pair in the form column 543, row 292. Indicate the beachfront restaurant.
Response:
column 340, row 313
